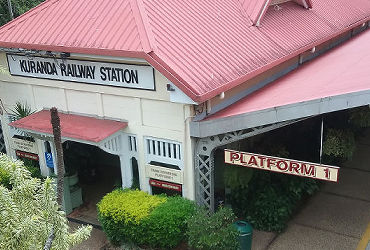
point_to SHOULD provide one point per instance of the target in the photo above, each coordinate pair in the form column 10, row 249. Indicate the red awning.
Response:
column 73, row 126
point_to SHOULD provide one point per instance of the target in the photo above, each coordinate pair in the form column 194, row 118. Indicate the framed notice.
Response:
column 164, row 174
column 24, row 145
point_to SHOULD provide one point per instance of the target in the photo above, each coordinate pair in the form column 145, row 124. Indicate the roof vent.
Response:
column 256, row 9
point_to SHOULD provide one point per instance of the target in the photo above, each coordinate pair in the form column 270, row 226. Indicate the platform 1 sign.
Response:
column 281, row 165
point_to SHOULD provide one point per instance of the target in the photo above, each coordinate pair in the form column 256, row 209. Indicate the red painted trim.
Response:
column 165, row 185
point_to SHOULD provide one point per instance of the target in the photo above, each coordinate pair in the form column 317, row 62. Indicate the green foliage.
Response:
column 165, row 227
column 212, row 231
column 339, row 143
column 19, row 7
column 360, row 117
column 5, row 178
column 29, row 212
column 135, row 216
column 271, row 198
column 235, row 176
column 129, row 206
column 21, row 110
column 33, row 168
column 270, row 211
column 121, row 211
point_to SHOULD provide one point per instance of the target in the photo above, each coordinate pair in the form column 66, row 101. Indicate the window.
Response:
column 164, row 151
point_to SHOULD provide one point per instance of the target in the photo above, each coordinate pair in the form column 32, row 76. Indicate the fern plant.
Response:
column 29, row 212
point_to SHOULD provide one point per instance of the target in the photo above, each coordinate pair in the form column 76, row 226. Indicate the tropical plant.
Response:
column 21, row 110
column 29, row 212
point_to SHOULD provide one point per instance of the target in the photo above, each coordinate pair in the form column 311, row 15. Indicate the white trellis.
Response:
column 204, row 159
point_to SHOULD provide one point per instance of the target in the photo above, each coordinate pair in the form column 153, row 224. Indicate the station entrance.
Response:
column 91, row 173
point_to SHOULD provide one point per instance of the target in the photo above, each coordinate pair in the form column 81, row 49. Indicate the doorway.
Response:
column 97, row 172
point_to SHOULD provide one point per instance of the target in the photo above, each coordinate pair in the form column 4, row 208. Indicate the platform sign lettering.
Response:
column 114, row 74
column 49, row 160
column 282, row 165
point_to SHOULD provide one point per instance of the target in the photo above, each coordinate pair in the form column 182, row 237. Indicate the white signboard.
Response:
column 164, row 174
column 112, row 74
column 24, row 145
column 281, row 165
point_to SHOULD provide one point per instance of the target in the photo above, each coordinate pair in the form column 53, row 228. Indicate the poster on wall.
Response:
column 90, row 72
column 282, row 165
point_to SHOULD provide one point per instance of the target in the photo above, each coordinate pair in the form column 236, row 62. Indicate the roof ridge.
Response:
column 244, row 13
column 142, row 22
column 27, row 15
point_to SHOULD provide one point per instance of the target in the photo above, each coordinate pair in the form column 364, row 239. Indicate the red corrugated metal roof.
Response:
column 341, row 71
column 72, row 126
column 292, row 26
column 203, row 47
column 253, row 8
column 76, row 26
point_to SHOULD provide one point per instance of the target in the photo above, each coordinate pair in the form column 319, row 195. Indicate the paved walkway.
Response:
column 337, row 217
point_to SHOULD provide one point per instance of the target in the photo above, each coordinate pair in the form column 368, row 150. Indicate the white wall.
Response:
column 149, row 113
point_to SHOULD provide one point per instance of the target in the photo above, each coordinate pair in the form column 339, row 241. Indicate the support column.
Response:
column 204, row 171
column 126, row 171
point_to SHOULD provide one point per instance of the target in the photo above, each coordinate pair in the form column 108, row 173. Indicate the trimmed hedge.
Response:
column 135, row 216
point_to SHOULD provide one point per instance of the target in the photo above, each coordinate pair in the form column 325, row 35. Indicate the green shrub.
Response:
column 4, row 178
column 121, row 211
column 212, row 231
column 270, row 211
column 165, row 226
column 270, row 199
column 135, row 216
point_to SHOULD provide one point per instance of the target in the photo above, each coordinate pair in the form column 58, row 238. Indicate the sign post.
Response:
column 282, row 165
